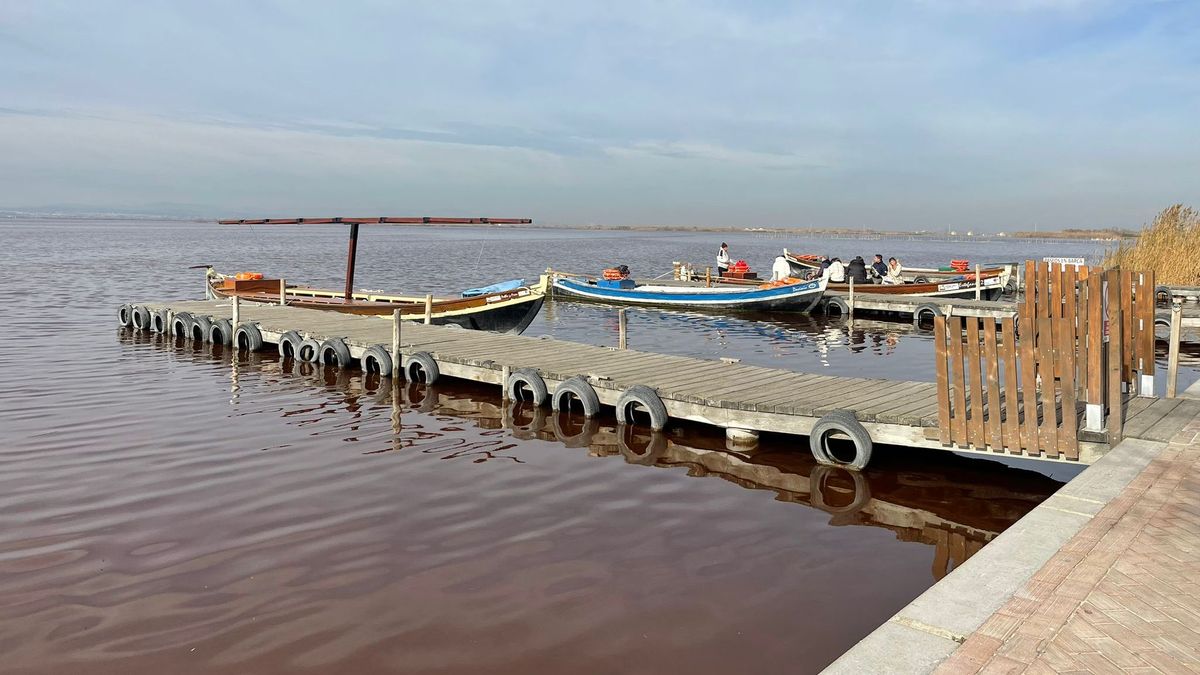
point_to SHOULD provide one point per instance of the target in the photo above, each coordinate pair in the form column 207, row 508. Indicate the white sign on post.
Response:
column 1076, row 262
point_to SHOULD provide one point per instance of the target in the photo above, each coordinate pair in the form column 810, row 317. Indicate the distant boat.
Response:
column 798, row 296
column 508, row 307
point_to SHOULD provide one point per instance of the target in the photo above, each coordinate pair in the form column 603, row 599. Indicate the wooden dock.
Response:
column 742, row 399
column 920, row 307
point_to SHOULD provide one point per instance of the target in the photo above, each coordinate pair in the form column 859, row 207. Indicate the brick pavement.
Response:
column 1122, row 596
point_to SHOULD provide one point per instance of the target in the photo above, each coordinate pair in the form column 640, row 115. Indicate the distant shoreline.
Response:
column 841, row 233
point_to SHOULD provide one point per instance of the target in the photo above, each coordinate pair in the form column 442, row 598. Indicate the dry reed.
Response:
column 1165, row 246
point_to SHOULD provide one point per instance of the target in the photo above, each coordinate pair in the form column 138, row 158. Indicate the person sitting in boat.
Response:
column 781, row 269
column 723, row 259
column 857, row 270
column 878, row 268
column 836, row 271
column 893, row 272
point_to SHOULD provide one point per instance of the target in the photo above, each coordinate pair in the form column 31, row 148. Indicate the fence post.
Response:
column 1173, row 353
column 282, row 292
column 428, row 308
column 977, row 286
column 395, row 345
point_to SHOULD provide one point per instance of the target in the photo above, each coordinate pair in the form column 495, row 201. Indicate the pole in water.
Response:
column 351, row 254
column 850, row 305
column 237, row 310
column 622, row 328
column 707, row 277
column 428, row 308
column 395, row 345
column 977, row 288
column 1173, row 349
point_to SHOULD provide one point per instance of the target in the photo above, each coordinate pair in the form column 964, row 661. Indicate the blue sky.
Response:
column 905, row 114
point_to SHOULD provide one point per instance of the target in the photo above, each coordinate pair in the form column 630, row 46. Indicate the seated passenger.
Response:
column 857, row 270
column 893, row 272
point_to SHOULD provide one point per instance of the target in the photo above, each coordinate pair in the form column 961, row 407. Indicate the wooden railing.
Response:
column 1083, row 339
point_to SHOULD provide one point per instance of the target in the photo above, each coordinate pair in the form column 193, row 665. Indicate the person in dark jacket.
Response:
column 879, row 268
column 857, row 270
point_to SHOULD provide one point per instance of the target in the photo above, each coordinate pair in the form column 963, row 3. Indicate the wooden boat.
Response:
column 803, row 265
column 991, row 284
column 509, row 310
column 797, row 296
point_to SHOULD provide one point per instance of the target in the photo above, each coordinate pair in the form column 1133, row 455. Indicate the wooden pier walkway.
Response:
column 742, row 399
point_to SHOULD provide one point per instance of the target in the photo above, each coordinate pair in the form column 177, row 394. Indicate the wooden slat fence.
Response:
column 1082, row 338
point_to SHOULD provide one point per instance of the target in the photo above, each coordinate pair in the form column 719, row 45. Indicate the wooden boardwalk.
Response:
column 732, row 396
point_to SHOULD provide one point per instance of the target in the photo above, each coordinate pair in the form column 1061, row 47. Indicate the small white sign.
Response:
column 1077, row 262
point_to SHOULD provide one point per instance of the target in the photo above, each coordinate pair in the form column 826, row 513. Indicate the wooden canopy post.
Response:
column 351, row 254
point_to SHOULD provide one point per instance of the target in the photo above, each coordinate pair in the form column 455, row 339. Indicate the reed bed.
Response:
column 1167, row 246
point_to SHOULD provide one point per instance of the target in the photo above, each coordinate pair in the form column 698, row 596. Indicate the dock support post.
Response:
column 351, row 254
column 850, row 310
column 428, row 308
column 978, row 289
column 237, row 311
column 396, row 346
column 707, row 277
column 622, row 328
column 505, row 371
column 282, row 292
column 1173, row 348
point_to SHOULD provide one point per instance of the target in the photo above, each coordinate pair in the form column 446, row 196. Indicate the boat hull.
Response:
column 991, row 287
column 793, row 298
column 802, row 267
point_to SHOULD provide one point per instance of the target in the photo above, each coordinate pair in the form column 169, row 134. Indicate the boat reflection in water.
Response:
column 952, row 503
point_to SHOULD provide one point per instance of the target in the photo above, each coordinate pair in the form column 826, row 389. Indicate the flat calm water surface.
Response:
column 169, row 507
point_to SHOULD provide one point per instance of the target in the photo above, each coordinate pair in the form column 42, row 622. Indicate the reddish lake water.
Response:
column 168, row 508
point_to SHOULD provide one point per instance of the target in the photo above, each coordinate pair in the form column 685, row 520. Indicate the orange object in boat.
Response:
column 248, row 276
column 613, row 274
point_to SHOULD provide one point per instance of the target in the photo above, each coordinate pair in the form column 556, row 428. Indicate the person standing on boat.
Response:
column 893, row 272
column 836, row 271
column 723, row 259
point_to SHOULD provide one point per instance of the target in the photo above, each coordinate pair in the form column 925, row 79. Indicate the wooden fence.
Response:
column 1083, row 339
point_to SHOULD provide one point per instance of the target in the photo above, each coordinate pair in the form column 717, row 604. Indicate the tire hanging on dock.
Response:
column 160, row 321
column 421, row 367
column 926, row 309
column 578, row 389
column 525, row 384
column 834, row 304
column 141, row 318
column 376, row 359
column 221, row 332
column 309, row 350
column 248, row 337
column 841, row 422
column 125, row 315
column 181, row 325
column 289, row 344
column 201, row 325
column 641, row 396
column 334, row 352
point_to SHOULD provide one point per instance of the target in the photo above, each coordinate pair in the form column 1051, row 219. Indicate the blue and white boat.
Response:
column 800, row 296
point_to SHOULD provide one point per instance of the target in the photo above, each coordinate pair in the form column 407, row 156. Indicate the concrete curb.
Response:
column 930, row 628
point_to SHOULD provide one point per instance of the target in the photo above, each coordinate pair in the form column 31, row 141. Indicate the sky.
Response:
column 904, row 114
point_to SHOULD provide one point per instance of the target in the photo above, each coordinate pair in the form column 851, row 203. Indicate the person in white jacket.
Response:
column 723, row 259
column 893, row 272
column 781, row 269
column 836, row 272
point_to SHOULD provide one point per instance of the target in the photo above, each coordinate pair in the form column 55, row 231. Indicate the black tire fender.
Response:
column 420, row 366
column 199, row 329
column 248, row 337
column 181, row 325
column 160, row 321
column 289, row 343
column 526, row 380
column 579, row 389
column 930, row 309
column 841, row 422
column 221, row 332
column 920, row 280
column 141, row 318
column 835, row 304
column 309, row 350
column 334, row 352
column 646, row 398
column 125, row 315
column 376, row 359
